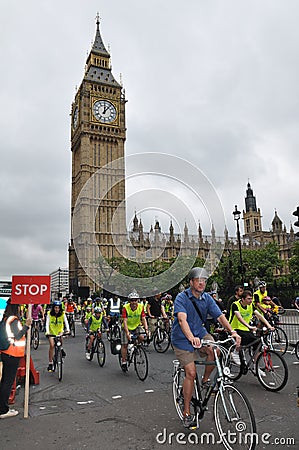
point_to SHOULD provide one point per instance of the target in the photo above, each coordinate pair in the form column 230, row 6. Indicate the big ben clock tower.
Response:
column 98, row 135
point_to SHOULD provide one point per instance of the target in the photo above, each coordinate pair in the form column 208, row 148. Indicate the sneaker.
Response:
column 124, row 367
column 189, row 422
column 87, row 354
column 50, row 368
column 235, row 358
column 9, row 413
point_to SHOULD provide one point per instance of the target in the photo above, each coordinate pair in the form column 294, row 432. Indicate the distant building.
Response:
column 98, row 134
column 59, row 283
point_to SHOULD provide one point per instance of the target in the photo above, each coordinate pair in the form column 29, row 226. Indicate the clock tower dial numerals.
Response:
column 104, row 111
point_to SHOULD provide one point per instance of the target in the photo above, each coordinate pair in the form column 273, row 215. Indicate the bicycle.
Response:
column 161, row 337
column 136, row 354
column 59, row 355
column 114, row 329
column 71, row 321
column 97, row 347
column 34, row 337
column 233, row 414
column 277, row 339
column 267, row 365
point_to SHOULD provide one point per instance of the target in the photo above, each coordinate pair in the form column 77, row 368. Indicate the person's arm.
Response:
column 66, row 324
column 182, row 319
column 149, row 310
column 163, row 312
column 125, row 323
column 225, row 323
column 144, row 323
column 262, row 319
column 48, row 324
column 88, row 324
column 18, row 334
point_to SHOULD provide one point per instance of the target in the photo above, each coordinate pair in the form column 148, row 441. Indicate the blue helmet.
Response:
column 57, row 303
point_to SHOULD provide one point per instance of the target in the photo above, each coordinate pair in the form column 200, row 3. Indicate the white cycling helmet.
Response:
column 133, row 296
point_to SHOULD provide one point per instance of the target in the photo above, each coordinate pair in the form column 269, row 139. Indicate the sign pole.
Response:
column 27, row 375
column 28, row 290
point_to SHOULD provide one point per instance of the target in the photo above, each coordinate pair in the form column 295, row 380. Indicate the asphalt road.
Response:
column 103, row 408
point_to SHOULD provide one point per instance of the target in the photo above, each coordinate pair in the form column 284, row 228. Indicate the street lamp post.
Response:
column 237, row 216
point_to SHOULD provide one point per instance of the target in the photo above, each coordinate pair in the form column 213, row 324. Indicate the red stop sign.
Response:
column 29, row 289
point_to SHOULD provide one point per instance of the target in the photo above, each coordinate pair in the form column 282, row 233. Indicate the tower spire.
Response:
column 98, row 21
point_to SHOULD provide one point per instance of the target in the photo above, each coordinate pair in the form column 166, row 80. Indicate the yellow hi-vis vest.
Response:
column 95, row 324
column 246, row 315
column 134, row 317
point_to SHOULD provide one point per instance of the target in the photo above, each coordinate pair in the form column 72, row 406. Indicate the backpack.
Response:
column 4, row 342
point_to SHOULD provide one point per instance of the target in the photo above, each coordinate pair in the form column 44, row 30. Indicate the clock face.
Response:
column 104, row 111
column 76, row 117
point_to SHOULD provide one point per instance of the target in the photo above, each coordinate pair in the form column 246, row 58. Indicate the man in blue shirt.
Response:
column 188, row 330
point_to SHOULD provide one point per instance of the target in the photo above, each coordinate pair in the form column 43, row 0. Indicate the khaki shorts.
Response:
column 123, row 336
column 185, row 357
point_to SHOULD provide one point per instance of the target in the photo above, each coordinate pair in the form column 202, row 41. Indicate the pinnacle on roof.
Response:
column 98, row 45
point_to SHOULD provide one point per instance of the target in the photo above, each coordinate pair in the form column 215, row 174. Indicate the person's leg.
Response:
column 188, row 386
column 209, row 354
column 10, row 366
column 51, row 352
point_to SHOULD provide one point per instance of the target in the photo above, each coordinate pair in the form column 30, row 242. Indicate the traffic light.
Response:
column 296, row 224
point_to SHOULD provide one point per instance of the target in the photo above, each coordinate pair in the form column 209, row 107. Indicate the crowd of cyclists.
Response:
column 242, row 315
column 246, row 311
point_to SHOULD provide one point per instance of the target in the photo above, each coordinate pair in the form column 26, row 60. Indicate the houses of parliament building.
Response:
column 98, row 212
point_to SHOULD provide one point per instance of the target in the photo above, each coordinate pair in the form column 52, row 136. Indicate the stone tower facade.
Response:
column 98, row 134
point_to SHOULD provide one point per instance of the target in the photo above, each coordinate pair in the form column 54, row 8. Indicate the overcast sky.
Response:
column 213, row 82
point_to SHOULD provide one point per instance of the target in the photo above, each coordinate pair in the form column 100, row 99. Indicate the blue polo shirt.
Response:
column 206, row 305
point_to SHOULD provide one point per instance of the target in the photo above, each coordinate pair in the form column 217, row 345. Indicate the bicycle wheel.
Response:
column 235, row 370
column 101, row 352
column 297, row 349
column 140, row 363
column 59, row 364
column 115, row 332
column 161, row 340
column 234, row 418
column 73, row 328
column 271, row 370
column 278, row 340
column 35, row 338
column 177, row 392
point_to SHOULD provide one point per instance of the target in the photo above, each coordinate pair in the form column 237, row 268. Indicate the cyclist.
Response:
column 188, row 330
column 242, row 312
column 238, row 294
column 70, row 308
column 258, row 297
column 155, row 309
column 133, row 315
column 88, row 314
column 55, row 324
column 94, row 323
column 113, row 310
column 37, row 312
column 167, row 303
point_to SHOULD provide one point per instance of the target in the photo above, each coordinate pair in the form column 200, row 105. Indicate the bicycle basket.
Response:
column 115, row 346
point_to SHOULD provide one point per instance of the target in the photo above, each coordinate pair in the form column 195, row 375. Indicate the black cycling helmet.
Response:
column 198, row 272
column 97, row 310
